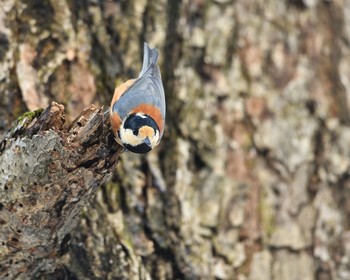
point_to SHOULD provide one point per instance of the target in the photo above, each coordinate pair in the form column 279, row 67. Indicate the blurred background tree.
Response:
column 251, row 180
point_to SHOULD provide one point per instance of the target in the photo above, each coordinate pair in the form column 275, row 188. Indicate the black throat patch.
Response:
column 139, row 149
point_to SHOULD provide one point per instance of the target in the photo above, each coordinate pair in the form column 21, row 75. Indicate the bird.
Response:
column 138, row 108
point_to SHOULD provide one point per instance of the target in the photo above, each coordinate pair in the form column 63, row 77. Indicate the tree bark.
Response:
column 251, row 180
column 49, row 172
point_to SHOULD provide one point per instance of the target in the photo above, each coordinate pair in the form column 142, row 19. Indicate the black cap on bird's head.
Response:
column 139, row 133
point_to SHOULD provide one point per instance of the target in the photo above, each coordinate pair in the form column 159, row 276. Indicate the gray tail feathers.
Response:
column 150, row 57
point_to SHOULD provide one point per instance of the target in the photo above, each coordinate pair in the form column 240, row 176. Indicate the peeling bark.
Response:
column 49, row 171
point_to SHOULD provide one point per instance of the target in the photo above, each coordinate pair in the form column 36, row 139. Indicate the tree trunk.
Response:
column 251, row 180
column 48, row 174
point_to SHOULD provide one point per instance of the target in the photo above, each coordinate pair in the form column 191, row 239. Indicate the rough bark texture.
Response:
column 48, row 174
column 251, row 180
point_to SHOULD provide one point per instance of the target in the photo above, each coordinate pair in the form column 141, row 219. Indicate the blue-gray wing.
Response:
column 147, row 89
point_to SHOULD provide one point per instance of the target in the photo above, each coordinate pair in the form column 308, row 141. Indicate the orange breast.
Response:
column 115, row 122
column 114, row 117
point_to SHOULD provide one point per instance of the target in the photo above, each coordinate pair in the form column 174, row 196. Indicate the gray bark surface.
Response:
column 49, row 173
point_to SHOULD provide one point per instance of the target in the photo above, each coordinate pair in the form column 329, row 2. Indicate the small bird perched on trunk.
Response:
column 137, row 111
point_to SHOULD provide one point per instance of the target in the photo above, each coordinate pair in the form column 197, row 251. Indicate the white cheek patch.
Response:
column 128, row 137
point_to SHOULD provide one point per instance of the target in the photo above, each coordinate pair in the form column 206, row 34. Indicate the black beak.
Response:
column 147, row 142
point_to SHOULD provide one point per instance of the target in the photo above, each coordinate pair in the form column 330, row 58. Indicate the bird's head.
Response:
column 139, row 133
